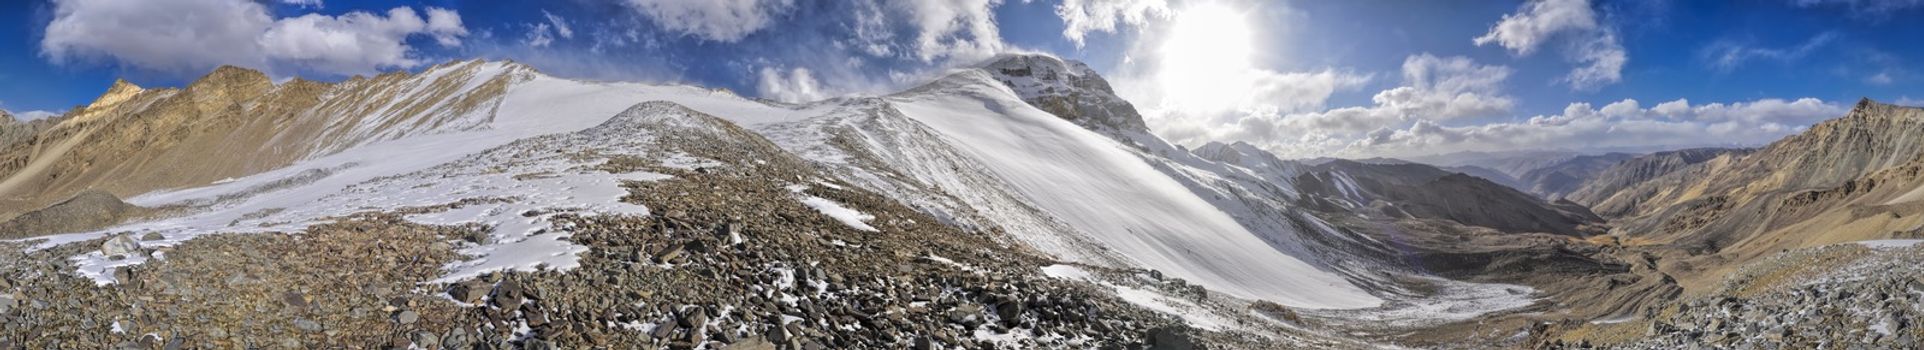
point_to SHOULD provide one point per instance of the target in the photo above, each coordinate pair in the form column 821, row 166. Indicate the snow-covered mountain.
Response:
column 1030, row 151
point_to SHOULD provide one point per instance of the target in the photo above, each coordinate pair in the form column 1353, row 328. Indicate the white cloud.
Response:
column 193, row 36
column 1591, row 45
column 1725, row 55
column 356, row 42
column 303, row 3
column 27, row 115
column 715, row 20
column 793, row 86
column 560, row 25
column 1434, row 89
column 1618, row 125
column 963, row 30
column 1080, row 17
column 37, row 114
column 1908, row 101
column 540, row 35
column 188, row 36
column 445, row 26
column 1880, row 78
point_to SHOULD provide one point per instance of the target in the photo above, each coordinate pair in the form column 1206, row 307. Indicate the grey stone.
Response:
column 120, row 246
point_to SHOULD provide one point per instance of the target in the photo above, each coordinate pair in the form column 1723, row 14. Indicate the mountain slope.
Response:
column 1631, row 172
column 1010, row 161
column 1421, row 191
column 133, row 140
column 13, row 131
column 1558, row 179
column 1853, row 178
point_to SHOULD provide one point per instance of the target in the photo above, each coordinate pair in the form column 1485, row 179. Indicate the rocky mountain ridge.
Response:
column 133, row 140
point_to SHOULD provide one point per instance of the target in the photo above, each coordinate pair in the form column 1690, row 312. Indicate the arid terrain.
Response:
column 1018, row 203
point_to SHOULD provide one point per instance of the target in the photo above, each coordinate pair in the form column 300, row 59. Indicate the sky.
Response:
column 1303, row 79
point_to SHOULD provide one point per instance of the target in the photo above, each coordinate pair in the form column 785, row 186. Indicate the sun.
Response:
column 1205, row 59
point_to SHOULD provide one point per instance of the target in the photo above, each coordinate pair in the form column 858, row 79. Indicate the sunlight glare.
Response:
column 1205, row 60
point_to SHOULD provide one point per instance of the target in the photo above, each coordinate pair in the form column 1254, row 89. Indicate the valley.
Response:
column 1016, row 203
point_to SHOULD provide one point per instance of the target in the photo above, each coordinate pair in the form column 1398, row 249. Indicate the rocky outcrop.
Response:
column 1068, row 89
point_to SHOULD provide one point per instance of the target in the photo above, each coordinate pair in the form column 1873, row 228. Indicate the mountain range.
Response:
column 1017, row 203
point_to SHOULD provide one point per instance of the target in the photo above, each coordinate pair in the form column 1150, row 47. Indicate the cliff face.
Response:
column 1067, row 89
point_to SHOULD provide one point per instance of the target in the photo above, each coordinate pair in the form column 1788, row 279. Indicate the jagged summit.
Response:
column 1066, row 88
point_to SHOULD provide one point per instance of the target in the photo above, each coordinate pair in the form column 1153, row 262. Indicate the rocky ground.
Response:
column 727, row 258
column 1845, row 296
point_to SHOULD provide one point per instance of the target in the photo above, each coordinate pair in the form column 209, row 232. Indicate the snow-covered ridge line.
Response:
column 435, row 166
column 1110, row 194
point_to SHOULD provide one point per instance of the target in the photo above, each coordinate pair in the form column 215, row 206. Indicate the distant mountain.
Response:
column 13, row 130
column 1857, row 177
column 1421, row 191
column 1635, row 171
column 1512, row 163
column 235, row 122
column 1558, row 178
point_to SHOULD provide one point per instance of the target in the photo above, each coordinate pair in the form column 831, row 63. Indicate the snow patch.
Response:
column 854, row 219
column 391, row 170
column 1891, row 243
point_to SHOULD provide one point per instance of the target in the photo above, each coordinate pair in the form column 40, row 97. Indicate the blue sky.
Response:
column 1308, row 78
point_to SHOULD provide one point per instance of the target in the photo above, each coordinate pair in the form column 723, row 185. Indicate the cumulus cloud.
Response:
column 356, row 42
column 793, row 85
column 193, row 36
column 1622, row 124
column 954, row 29
column 1433, row 89
column 303, row 3
column 1591, row 45
column 715, row 20
column 188, row 36
column 1080, row 17
column 1726, row 55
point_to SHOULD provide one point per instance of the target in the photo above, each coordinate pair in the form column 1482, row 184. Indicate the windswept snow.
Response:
column 850, row 217
column 1115, row 197
column 1891, row 243
column 1189, row 312
column 402, row 172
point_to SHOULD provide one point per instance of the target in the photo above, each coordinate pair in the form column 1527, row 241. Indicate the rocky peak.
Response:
column 1240, row 153
column 1068, row 89
column 231, row 77
column 121, row 91
column 1870, row 109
